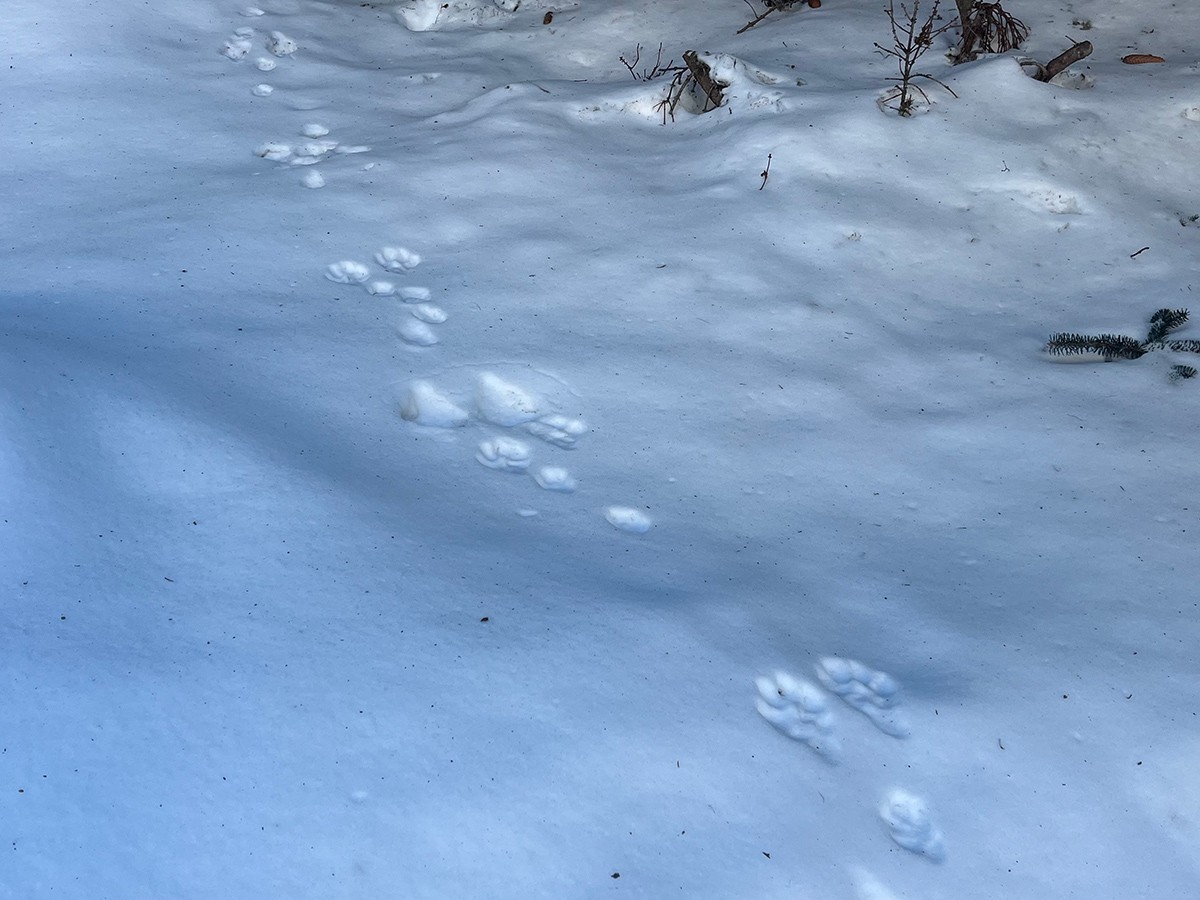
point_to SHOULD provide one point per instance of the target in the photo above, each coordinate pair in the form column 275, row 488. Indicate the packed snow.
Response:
column 437, row 460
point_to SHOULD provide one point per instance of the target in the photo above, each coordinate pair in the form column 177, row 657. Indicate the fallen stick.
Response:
column 1067, row 58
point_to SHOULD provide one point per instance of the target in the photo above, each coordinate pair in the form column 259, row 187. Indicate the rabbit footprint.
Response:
column 797, row 709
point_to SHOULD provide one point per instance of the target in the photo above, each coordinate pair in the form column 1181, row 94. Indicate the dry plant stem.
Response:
column 655, row 71
column 772, row 6
column 675, row 91
column 756, row 20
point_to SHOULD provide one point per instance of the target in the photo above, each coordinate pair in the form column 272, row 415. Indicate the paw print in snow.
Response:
column 874, row 694
column 798, row 710
column 397, row 259
column 907, row 819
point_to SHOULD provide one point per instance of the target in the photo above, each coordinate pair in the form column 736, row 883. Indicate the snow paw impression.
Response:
column 800, row 710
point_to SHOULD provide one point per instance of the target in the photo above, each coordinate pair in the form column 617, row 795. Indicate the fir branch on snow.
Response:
column 1163, row 322
column 1184, row 346
column 1111, row 347
column 1106, row 346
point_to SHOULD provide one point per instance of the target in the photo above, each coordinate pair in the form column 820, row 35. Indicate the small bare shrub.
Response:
column 911, row 37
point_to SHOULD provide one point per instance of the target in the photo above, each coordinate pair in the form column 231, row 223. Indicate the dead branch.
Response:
column 772, row 6
column 1069, row 57
column 703, row 76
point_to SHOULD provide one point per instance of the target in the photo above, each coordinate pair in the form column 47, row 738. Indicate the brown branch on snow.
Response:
column 1069, row 57
column 773, row 6
column 703, row 75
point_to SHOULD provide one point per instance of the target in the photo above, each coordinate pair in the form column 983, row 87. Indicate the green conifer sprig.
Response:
column 1111, row 347
column 1184, row 346
column 1163, row 322
column 1107, row 346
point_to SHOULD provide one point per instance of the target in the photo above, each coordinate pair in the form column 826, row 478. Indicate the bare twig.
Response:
column 655, row 71
column 765, row 173
column 680, row 82
column 771, row 6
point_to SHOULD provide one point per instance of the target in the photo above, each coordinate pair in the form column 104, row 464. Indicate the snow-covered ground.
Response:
column 426, row 474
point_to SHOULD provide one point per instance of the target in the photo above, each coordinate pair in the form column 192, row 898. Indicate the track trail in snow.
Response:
column 521, row 422
column 511, row 417
column 800, row 710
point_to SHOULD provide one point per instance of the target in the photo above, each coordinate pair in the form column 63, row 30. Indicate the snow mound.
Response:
column 439, row 15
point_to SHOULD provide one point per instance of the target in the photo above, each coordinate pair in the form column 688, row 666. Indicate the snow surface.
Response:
column 756, row 451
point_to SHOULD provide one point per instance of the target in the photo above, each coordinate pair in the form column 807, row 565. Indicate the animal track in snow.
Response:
column 554, row 478
column 414, row 331
column 252, row 12
column 426, row 405
column 429, row 312
column 262, row 90
column 557, row 430
column 797, row 709
column 265, row 64
column 279, row 44
column 414, row 294
column 237, row 48
column 397, row 259
column 1055, row 202
column 626, row 518
column 504, row 454
column 908, row 821
column 502, row 403
column 274, row 151
column 347, row 272
column 381, row 288
column 874, row 694
column 313, row 150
